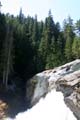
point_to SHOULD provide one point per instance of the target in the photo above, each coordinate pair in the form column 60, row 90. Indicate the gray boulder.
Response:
column 65, row 78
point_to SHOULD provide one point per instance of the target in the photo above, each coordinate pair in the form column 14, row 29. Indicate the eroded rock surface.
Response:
column 70, row 86
column 65, row 78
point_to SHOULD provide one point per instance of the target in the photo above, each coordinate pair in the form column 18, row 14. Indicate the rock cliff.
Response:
column 65, row 78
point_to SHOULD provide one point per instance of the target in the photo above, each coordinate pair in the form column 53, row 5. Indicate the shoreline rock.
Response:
column 65, row 78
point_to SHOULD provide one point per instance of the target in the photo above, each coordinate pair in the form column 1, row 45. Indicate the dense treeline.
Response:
column 28, row 46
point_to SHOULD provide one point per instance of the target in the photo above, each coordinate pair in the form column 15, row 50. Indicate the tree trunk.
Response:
column 7, row 56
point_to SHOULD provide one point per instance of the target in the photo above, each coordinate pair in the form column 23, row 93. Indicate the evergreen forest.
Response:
column 29, row 46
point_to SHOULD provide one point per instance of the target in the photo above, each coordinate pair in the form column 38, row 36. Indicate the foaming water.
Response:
column 52, row 107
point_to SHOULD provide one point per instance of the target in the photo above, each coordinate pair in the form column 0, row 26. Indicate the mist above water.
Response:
column 52, row 107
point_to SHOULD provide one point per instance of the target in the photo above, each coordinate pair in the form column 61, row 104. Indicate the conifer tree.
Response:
column 7, row 55
column 76, row 47
column 78, row 27
column 69, row 36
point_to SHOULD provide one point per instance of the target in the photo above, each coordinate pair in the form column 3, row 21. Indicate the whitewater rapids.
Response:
column 52, row 107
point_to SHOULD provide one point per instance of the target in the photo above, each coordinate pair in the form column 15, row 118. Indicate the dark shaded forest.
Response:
column 29, row 46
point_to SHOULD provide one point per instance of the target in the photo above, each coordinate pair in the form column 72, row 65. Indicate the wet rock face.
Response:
column 30, row 88
column 73, row 102
column 70, row 86
column 37, row 87
column 65, row 78
column 40, row 90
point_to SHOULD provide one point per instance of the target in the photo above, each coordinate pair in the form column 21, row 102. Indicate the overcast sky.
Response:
column 60, row 8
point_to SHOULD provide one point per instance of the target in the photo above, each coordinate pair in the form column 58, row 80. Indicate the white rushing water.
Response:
column 52, row 107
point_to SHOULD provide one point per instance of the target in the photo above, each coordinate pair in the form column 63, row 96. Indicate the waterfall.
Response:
column 52, row 107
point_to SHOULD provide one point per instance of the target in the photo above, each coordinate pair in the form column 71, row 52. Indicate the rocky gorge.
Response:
column 65, row 78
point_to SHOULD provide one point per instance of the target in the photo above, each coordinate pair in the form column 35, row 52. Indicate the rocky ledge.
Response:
column 70, row 86
column 65, row 78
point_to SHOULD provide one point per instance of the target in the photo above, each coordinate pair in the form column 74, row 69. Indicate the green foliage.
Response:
column 69, row 36
column 2, row 38
column 37, row 45
column 76, row 47
column 77, row 26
